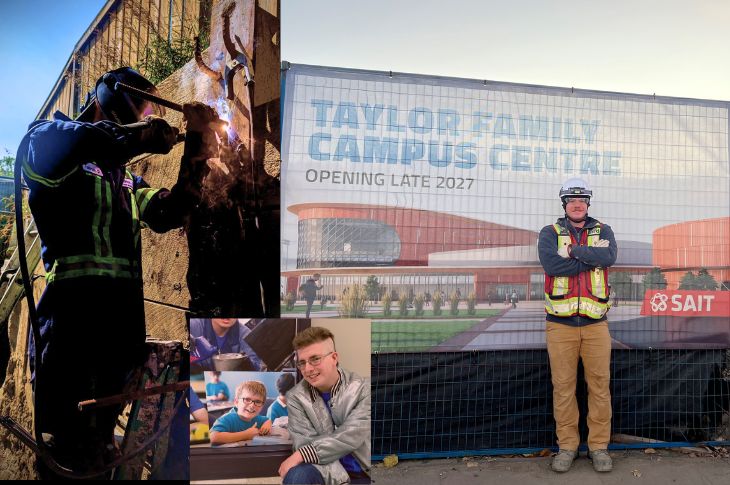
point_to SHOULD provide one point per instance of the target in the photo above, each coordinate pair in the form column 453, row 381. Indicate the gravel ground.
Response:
column 658, row 467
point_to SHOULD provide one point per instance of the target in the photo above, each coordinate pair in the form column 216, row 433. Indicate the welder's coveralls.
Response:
column 89, row 211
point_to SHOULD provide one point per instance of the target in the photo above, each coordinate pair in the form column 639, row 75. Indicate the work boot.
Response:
column 562, row 461
column 601, row 460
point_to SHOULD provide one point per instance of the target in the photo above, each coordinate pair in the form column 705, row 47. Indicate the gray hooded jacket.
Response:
column 322, row 440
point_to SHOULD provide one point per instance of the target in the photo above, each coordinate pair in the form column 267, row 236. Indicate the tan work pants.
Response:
column 591, row 343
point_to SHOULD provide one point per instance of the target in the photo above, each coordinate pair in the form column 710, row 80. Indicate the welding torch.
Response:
column 138, row 93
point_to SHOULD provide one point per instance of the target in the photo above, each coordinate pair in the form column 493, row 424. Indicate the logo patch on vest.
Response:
column 92, row 169
column 128, row 184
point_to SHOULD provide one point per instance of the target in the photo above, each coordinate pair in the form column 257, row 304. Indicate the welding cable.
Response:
column 27, row 282
column 67, row 473
column 254, row 186
column 43, row 449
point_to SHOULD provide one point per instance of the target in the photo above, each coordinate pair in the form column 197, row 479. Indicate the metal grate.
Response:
column 463, row 403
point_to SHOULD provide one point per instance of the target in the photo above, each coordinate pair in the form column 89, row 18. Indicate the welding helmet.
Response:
column 119, row 106
column 575, row 187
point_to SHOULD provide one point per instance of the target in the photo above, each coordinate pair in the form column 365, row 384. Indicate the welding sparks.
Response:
column 225, row 114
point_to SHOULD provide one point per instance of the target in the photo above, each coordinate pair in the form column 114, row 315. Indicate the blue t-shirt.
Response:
column 348, row 461
column 214, row 388
column 231, row 422
column 276, row 410
column 195, row 402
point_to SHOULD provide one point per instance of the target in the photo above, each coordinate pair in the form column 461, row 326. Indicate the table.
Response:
column 208, row 463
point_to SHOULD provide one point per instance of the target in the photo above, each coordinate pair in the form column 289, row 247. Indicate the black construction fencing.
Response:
column 492, row 402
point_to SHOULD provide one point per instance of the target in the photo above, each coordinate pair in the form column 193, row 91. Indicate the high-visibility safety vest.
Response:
column 89, row 221
column 585, row 294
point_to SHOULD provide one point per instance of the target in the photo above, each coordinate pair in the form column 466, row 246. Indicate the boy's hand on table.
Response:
column 252, row 432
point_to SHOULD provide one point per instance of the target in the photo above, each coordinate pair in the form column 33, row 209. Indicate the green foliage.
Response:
column 415, row 336
column 437, row 302
column 289, row 301
column 7, row 164
column 454, row 303
column 354, row 302
column 387, row 302
column 372, row 288
column 471, row 303
column 620, row 282
column 418, row 303
column 7, row 223
column 688, row 281
column 654, row 280
column 705, row 281
column 428, row 314
column 702, row 281
column 162, row 58
column 403, row 304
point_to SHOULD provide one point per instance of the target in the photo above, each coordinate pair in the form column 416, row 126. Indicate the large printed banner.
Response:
column 417, row 201
column 687, row 303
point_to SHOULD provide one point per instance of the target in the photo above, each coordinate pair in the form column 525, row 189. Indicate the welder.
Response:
column 89, row 210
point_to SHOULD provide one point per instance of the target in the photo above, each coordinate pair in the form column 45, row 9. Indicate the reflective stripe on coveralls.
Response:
column 28, row 172
column 142, row 198
column 103, row 262
column 565, row 298
column 102, row 218
column 91, row 265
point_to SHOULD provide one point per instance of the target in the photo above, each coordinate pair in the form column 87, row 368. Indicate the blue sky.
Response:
column 668, row 47
column 36, row 40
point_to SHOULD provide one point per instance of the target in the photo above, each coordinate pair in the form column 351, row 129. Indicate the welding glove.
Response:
column 601, row 243
column 199, row 117
column 563, row 252
column 152, row 135
column 201, row 123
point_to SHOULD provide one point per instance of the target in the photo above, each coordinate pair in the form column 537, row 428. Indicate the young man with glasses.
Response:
column 575, row 253
column 329, row 417
column 242, row 422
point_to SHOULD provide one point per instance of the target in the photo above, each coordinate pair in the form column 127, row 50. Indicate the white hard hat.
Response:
column 575, row 187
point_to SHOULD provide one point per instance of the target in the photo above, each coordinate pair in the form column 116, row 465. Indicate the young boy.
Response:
column 216, row 390
column 242, row 422
column 278, row 407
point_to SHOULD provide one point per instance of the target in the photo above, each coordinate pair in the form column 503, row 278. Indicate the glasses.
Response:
column 248, row 401
column 313, row 361
column 582, row 200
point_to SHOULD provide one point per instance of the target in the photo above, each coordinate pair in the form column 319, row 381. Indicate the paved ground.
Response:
column 524, row 328
column 635, row 466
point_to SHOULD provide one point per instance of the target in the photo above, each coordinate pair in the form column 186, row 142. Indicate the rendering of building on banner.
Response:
column 436, row 184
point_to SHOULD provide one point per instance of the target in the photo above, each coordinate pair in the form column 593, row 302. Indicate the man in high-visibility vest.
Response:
column 575, row 253
column 89, row 210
